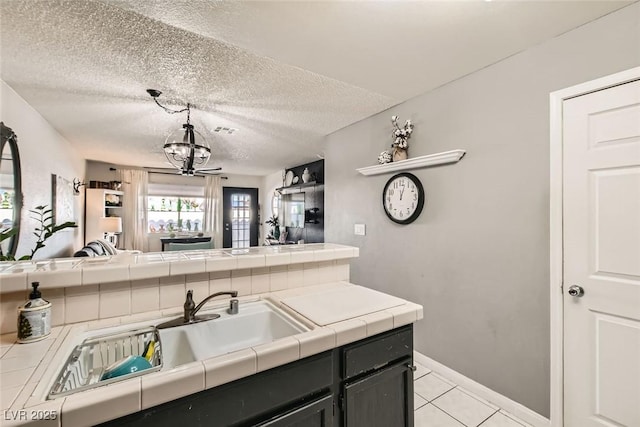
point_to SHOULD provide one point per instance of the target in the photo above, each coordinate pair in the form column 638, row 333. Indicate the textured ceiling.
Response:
column 283, row 73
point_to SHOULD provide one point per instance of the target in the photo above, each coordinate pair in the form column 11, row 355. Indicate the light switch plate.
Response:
column 359, row 229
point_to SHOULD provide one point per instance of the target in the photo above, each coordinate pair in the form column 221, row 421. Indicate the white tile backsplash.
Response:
column 172, row 291
column 241, row 281
column 58, row 302
column 115, row 299
column 295, row 276
column 145, row 295
column 278, row 279
column 199, row 284
column 326, row 271
column 9, row 303
column 79, row 303
column 342, row 270
column 219, row 281
column 260, row 280
column 311, row 274
column 82, row 303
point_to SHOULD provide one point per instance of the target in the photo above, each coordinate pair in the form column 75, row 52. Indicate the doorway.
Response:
column 240, row 217
column 595, row 253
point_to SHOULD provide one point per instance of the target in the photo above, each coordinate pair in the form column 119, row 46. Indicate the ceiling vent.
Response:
column 221, row 129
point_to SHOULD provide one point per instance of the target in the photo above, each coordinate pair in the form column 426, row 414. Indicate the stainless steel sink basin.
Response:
column 257, row 322
column 85, row 355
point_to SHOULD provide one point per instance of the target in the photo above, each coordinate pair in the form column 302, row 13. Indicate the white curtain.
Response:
column 213, row 208
column 135, row 184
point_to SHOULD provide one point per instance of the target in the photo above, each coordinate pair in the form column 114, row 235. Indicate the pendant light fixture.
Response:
column 180, row 146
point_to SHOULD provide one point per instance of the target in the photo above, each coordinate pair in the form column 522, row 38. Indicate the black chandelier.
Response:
column 180, row 146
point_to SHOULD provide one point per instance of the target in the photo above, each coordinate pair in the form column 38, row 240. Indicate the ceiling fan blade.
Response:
column 210, row 169
column 159, row 169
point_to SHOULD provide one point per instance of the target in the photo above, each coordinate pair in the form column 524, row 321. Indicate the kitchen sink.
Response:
column 257, row 322
column 85, row 356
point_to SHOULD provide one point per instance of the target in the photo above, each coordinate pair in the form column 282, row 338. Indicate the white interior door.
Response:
column 601, row 223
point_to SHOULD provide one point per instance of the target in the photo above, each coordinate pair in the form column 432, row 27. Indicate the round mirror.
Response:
column 10, row 191
column 275, row 203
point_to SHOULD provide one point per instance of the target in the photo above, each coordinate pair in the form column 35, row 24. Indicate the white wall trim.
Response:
column 436, row 159
column 555, row 228
column 511, row 406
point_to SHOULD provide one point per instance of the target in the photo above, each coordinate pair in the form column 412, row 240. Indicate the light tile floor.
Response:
column 440, row 403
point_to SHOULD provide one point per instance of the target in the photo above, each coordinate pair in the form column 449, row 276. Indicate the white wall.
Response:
column 477, row 258
column 43, row 151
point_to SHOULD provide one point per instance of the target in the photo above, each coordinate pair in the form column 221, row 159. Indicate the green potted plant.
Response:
column 43, row 232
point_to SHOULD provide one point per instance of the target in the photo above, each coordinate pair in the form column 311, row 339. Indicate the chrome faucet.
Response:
column 190, row 308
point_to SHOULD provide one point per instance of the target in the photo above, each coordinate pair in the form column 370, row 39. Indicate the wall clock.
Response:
column 403, row 198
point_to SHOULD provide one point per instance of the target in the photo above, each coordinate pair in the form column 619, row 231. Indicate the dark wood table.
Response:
column 168, row 240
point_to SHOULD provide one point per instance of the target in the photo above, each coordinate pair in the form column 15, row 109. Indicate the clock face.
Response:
column 403, row 198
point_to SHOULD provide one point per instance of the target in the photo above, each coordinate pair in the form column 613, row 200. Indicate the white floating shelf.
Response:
column 445, row 157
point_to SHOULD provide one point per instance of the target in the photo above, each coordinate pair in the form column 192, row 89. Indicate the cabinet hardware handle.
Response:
column 412, row 367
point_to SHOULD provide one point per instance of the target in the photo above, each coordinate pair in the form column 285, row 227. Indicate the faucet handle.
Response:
column 233, row 306
column 189, row 306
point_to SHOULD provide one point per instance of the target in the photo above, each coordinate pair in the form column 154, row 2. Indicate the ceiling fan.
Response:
column 186, row 156
column 185, row 172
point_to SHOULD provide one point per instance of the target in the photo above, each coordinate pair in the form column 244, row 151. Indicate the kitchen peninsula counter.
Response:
column 27, row 370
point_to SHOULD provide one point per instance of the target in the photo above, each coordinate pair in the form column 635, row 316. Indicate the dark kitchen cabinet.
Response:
column 377, row 387
column 364, row 384
column 318, row 413
column 381, row 399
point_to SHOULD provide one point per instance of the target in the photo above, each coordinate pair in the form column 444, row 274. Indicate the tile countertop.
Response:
column 66, row 272
column 22, row 366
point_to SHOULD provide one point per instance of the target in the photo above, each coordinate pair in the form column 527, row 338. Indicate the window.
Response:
column 175, row 214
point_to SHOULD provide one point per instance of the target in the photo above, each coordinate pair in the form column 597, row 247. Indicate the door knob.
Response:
column 576, row 291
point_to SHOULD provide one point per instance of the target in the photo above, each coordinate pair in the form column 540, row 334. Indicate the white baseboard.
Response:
column 515, row 408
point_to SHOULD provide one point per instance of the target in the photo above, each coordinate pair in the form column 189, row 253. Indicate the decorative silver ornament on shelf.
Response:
column 384, row 157
column 400, row 143
column 401, row 134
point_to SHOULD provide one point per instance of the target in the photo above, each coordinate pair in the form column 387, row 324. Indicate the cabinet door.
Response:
column 382, row 399
column 318, row 413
